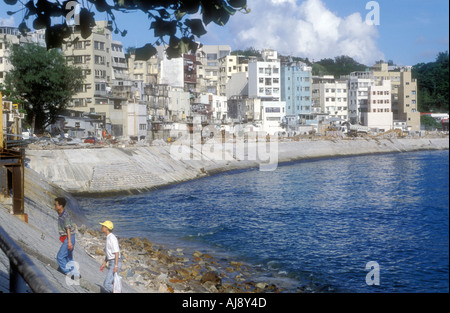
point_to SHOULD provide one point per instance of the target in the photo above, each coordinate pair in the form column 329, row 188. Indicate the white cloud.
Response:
column 306, row 29
column 7, row 21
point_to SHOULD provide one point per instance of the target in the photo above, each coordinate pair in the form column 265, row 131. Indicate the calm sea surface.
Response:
column 315, row 222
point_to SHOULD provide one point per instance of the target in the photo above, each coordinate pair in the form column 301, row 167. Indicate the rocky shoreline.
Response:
column 154, row 268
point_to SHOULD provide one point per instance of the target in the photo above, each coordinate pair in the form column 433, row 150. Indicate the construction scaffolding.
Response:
column 12, row 159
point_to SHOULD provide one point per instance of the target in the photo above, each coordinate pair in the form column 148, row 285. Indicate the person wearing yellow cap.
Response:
column 112, row 255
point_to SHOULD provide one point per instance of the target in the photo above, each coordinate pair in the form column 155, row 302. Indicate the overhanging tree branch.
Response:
column 168, row 18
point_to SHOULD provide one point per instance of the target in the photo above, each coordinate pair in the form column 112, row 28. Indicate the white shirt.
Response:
column 111, row 247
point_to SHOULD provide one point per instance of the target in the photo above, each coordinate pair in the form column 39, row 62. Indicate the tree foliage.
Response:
column 341, row 65
column 429, row 123
column 44, row 82
column 248, row 52
column 433, row 84
column 169, row 20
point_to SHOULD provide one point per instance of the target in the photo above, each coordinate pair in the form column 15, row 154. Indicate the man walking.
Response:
column 67, row 237
column 112, row 255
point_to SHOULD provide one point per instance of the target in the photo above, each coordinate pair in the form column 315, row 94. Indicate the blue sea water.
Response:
column 317, row 222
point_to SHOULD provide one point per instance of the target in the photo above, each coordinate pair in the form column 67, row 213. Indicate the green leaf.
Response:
column 238, row 3
column 196, row 27
column 23, row 28
column 144, row 53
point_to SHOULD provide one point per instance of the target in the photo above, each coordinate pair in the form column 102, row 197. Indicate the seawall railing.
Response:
column 23, row 272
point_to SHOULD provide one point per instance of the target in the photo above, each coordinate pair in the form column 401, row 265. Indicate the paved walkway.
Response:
column 39, row 239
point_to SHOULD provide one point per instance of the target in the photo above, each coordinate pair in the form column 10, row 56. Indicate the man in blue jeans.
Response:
column 67, row 237
column 112, row 255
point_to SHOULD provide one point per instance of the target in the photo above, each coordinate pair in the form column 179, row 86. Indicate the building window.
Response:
column 99, row 59
column 273, row 110
column 100, row 74
column 78, row 59
column 98, row 45
column 100, row 87
column 78, row 45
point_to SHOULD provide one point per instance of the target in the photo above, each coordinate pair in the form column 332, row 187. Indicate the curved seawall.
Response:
column 134, row 169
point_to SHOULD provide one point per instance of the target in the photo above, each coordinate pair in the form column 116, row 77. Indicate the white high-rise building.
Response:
column 264, row 82
column 331, row 96
column 378, row 114
column 264, row 77
column 358, row 94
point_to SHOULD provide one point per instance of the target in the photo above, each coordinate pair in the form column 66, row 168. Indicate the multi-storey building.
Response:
column 93, row 55
column 230, row 65
column 143, row 72
column 331, row 96
column 217, row 107
column 378, row 113
column 403, row 93
column 264, row 82
column 407, row 99
column 358, row 94
column 296, row 90
column 9, row 36
column 264, row 77
column 209, row 67
column 108, row 89
column 122, row 86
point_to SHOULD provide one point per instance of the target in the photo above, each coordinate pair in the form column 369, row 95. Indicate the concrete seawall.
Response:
column 133, row 169
column 40, row 241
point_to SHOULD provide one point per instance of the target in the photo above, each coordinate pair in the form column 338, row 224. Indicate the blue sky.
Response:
column 409, row 32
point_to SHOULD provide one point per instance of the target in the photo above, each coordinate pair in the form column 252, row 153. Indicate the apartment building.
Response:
column 171, row 71
column 331, row 95
column 403, row 93
column 358, row 94
column 407, row 99
column 264, row 82
column 378, row 114
column 108, row 91
column 93, row 55
column 122, row 86
column 144, row 72
column 190, row 73
column 217, row 107
column 230, row 65
column 296, row 91
column 10, row 36
column 264, row 77
column 179, row 105
column 208, row 69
